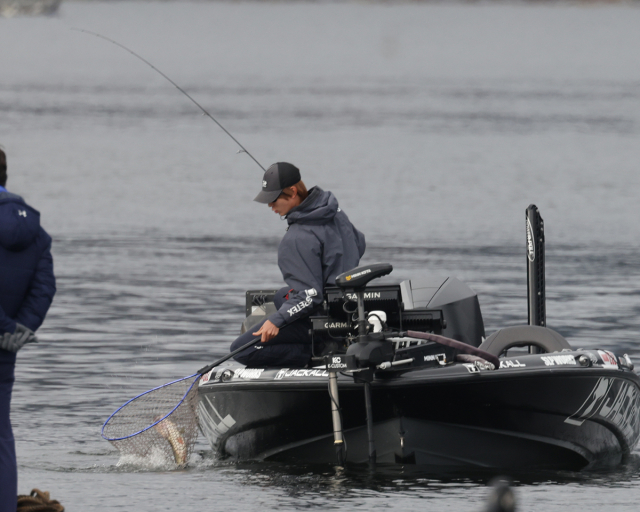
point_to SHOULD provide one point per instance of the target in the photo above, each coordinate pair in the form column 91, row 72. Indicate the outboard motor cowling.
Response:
column 458, row 303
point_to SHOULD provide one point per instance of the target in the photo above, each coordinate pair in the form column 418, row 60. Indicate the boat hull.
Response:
column 525, row 415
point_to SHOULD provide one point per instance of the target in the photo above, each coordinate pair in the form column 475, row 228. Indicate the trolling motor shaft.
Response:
column 338, row 436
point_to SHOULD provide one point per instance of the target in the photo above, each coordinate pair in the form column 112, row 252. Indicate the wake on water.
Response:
column 156, row 460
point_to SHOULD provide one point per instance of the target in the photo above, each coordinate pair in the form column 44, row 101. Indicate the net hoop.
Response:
column 143, row 394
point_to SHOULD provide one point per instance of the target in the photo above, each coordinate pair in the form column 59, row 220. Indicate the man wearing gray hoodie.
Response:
column 320, row 243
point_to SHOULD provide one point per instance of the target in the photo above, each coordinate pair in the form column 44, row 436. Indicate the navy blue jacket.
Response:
column 320, row 244
column 27, row 283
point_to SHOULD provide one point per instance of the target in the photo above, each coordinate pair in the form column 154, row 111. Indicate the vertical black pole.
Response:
column 535, row 267
column 362, row 321
column 366, row 377
column 372, row 446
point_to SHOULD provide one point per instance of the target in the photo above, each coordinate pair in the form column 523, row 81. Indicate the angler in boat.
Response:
column 402, row 374
column 320, row 243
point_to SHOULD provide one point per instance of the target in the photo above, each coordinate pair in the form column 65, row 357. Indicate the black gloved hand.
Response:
column 15, row 341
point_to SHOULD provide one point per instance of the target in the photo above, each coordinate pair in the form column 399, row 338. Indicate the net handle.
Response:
column 210, row 367
column 200, row 372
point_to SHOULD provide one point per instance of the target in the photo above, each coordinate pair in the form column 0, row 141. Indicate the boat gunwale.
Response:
column 410, row 378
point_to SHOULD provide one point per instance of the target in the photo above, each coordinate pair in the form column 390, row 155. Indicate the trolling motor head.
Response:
column 371, row 349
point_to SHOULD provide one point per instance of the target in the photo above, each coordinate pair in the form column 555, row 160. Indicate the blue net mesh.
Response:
column 161, row 422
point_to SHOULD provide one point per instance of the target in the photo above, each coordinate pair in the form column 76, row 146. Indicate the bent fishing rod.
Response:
column 204, row 111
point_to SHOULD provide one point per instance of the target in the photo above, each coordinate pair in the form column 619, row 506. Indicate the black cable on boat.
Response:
column 242, row 148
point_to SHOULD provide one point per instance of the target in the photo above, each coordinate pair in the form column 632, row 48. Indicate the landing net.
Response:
column 162, row 420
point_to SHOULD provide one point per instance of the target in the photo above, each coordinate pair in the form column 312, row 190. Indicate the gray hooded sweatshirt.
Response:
column 320, row 244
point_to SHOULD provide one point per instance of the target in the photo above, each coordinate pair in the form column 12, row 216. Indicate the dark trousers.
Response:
column 291, row 348
column 8, row 467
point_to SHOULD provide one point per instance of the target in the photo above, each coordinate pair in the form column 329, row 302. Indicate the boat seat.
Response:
column 543, row 338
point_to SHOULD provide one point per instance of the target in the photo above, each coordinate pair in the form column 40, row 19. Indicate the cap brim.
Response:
column 267, row 196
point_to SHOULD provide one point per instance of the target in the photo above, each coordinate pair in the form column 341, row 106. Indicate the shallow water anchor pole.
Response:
column 535, row 267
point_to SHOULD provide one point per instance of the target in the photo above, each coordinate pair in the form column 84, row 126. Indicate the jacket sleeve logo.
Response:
column 310, row 294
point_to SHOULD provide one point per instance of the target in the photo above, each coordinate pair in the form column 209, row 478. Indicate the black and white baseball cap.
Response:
column 277, row 177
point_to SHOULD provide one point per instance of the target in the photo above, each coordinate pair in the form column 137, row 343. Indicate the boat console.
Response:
column 438, row 305
column 433, row 304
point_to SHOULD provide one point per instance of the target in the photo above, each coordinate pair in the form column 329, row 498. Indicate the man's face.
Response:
column 284, row 204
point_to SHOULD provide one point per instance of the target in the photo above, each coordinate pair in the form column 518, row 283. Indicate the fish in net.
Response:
column 152, row 423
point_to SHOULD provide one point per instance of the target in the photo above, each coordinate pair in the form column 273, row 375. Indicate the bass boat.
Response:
column 402, row 374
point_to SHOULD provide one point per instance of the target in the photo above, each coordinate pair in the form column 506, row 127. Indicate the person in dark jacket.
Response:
column 320, row 243
column 27, row 286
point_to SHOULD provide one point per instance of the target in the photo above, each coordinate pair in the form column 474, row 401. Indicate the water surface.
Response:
column 435, row 125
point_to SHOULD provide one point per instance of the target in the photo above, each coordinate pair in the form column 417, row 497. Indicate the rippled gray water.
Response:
column 435, row 125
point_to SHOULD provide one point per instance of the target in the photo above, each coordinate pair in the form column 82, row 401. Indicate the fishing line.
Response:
column 242, row 148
